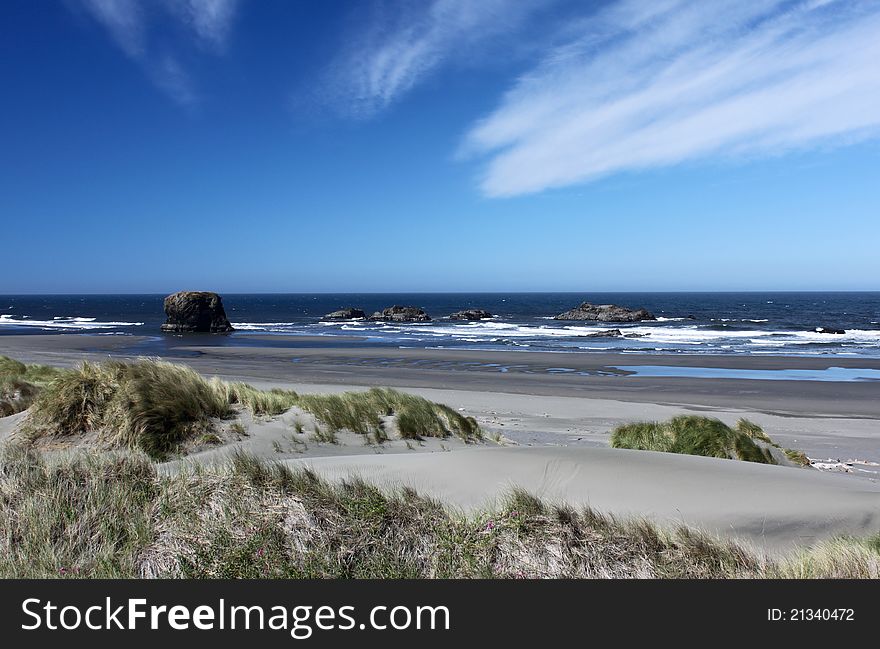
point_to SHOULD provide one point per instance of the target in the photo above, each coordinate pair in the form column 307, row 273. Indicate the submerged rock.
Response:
column 195, row 312
column 827, row 330
column 471, row 314
column 605, row 313
column 398, row 313
column 607, row 333
column 345, row 314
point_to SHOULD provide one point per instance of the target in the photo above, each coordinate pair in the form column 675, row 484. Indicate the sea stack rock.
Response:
column 195, row 312
column 398, row 313
column 471, row 314
column 605, row 313
column 346, row 314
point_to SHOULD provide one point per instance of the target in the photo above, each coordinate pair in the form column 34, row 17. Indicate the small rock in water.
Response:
column 607, row 333
column 346, row 314
column 471, row 314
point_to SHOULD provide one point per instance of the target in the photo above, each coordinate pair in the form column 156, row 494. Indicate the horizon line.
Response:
column 604, row 291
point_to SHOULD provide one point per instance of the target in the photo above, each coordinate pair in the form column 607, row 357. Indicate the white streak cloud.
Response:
column 646, row 84
column 403, row 44
column 123, row 20
column 210, row 20
column 131, row 23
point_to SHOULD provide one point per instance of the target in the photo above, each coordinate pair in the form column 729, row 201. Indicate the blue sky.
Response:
column 439, row 145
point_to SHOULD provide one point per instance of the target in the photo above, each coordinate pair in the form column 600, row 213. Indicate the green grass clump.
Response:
column 39, row 375
column 16, row 395
column 149, row 405
column 156, row 407
column 362, row 412
column 260, row 402
column 112, row 515
column 753, row 431
column 798, row 457
column 695, row 435
column 20, row 384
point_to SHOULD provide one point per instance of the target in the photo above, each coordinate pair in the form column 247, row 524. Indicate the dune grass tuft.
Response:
column 260, row 402
column 363, row 412
column 839, row 558
column 112, row 515
column 695, row 435
column 149, row 405
column 39, row 375
column 798, row 457
column 752, row 430
column 20, row 384
column 156, row 407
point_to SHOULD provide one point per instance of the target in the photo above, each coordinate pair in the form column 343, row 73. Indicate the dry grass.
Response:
column 87, row 516
column 839, row 558
column 112, row 515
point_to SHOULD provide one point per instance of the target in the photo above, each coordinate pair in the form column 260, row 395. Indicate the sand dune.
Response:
column 773, row 508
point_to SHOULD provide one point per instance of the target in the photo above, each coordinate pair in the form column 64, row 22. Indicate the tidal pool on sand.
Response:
column 827, row 374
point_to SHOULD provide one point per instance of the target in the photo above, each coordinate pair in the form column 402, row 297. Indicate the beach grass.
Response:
column 696, row 435
column 113, row 515
column 364, row 412
column 259, row 402
column 20, row 383
column 158, row 407
column 149, row 405
column 798, row 457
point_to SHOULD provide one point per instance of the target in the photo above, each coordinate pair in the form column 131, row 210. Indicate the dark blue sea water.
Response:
column 692, row 323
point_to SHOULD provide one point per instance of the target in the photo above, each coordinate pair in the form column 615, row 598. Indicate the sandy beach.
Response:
column 547, row 431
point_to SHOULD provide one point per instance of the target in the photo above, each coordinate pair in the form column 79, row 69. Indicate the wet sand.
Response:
column 586, row 375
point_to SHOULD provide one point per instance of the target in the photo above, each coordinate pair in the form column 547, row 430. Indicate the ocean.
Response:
column 688, row 323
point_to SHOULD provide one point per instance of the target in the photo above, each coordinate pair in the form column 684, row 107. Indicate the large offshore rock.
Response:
column 195, row 311
column 398, row 313
column 605, row 313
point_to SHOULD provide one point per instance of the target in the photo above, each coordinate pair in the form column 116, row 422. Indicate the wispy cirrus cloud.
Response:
column 132, row 24
column 649, row 83
column 210, row 20
column 402, row 44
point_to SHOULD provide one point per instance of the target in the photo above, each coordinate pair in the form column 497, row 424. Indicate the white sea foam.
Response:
column 63, row 322
column 654, row 335
column 696, row 335
column 277, row 327
column 740, row 320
